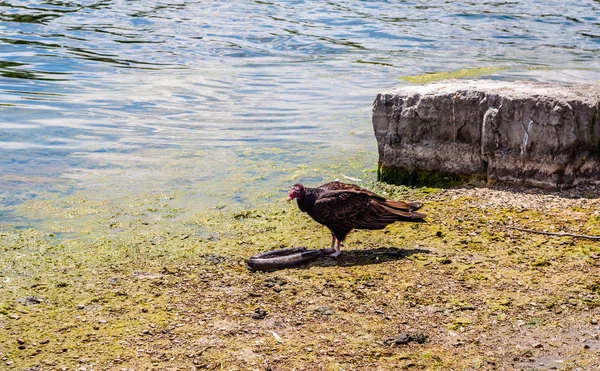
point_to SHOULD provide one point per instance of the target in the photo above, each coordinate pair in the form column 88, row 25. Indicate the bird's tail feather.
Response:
column 419, row 217
column 415, row 205
column 403, row 210
column 403, row 205
column 397, row 205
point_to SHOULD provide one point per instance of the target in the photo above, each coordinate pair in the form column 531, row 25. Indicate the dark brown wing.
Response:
column 361, row 209
column 340, row 207
column 338, row 186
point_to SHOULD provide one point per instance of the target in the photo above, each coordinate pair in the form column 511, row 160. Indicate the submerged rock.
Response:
column 538, row 134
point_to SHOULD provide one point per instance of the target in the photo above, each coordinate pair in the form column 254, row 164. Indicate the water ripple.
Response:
column 192, row 84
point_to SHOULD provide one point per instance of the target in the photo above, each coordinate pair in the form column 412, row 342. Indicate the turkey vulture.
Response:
column 342, row 207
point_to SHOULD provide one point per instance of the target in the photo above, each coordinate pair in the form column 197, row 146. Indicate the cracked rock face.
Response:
column 539, row 134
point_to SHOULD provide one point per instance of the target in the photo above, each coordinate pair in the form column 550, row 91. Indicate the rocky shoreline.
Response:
column 537, row 134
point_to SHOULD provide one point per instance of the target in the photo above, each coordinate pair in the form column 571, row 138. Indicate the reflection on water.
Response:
column 227, row 103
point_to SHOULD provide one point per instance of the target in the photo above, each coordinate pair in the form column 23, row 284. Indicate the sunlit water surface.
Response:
column 226, row 104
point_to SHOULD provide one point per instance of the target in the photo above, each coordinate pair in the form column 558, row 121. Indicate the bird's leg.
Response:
column 331, row 249
column 338, row 250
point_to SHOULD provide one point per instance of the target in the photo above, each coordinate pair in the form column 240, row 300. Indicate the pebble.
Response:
column 324, row 310
column 406, row 338
column 31, row 300
column 259, row 313
column 275, row 281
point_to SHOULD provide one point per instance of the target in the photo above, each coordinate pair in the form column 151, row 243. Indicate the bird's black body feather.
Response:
column 342, row 207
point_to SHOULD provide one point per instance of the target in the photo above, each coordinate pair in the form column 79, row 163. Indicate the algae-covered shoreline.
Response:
column 142, row 287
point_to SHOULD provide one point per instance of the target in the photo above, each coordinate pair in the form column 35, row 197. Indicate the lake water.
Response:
column 226, row 104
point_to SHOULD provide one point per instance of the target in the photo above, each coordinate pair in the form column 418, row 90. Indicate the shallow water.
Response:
column 225, row 104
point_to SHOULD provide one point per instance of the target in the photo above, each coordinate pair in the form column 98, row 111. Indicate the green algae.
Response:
column 155, row 291
column 459, row 74
column 420, row 178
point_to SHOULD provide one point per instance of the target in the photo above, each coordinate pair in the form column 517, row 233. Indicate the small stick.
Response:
column 567, row 234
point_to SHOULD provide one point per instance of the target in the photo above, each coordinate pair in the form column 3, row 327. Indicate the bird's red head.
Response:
column 297, row 191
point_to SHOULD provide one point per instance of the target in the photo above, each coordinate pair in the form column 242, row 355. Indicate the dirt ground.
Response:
column 140, row 289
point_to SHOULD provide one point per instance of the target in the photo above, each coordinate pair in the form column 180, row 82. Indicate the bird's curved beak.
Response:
column 289, row 199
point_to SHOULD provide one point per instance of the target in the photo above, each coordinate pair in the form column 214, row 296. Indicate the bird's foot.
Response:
column 336, row 254
column 328, row 251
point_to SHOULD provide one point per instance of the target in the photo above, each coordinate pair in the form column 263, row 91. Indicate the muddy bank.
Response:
column 147, row 290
